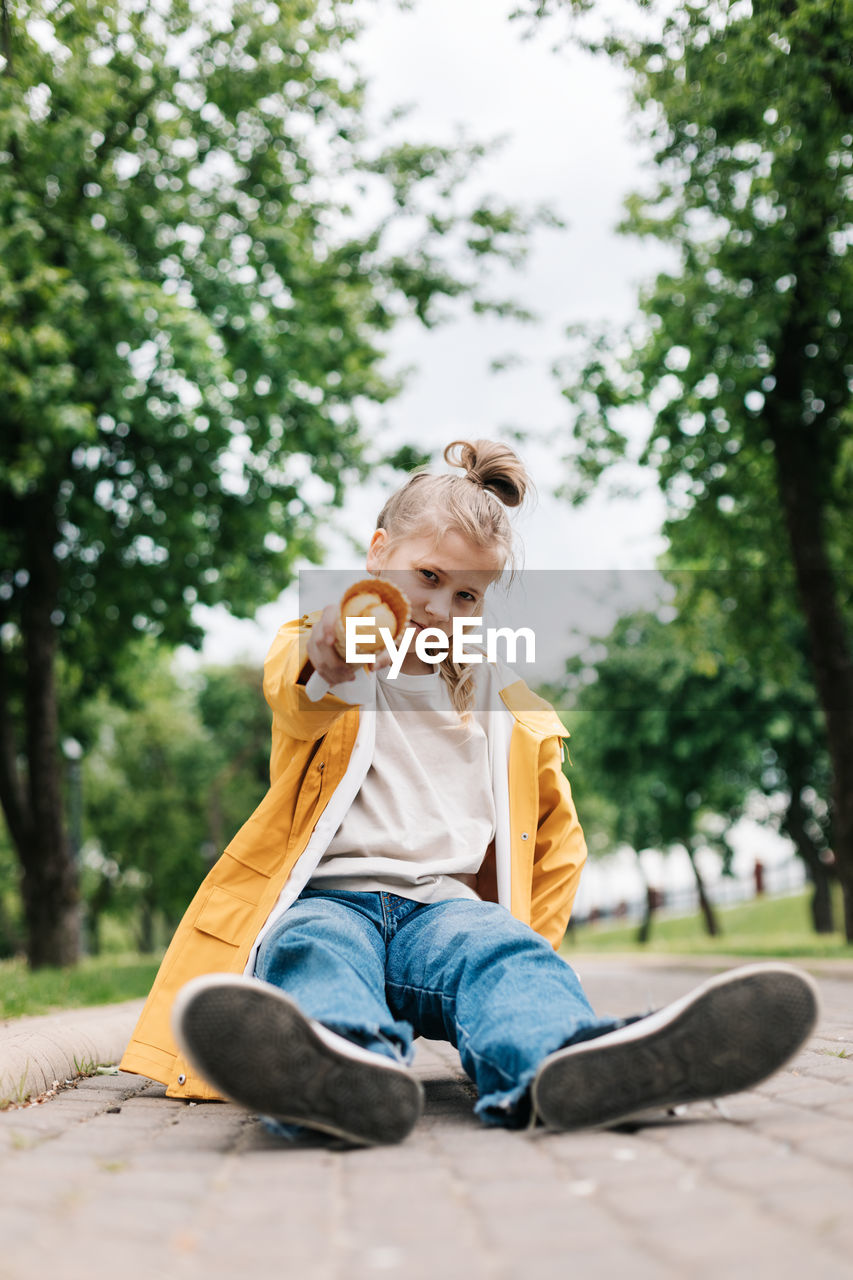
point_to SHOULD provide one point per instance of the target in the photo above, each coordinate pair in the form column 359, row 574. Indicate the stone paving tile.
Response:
column 830, row 1149
column 822, row 1206
column 828, row 1066
column 816, row 1094
column 746, row 1245
column 784, row 1082
column 842, row 1107
column 787, row 1169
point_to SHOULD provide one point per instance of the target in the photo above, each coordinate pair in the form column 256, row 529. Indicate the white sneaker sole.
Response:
column 729, row 1034
column 255, row 1046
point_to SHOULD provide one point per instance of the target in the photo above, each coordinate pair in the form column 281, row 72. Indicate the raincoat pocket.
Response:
column 225, row 916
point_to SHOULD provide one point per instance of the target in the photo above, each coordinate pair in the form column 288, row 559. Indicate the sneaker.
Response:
column 727, row 1035
column 255, row 1046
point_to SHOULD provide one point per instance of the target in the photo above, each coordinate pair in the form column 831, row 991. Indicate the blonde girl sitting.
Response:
column 411, row 872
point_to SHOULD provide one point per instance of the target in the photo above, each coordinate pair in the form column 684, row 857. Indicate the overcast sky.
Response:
column 571, row 145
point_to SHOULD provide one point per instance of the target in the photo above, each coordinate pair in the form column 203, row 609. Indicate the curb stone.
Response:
column 37, row 1051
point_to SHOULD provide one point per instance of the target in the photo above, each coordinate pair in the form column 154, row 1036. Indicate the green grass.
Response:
column 762, row 927
column 96, row 980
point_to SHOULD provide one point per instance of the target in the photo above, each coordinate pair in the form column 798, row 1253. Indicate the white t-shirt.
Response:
column 425, row 814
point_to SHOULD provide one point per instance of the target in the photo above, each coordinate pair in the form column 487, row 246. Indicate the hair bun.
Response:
column 493, row 466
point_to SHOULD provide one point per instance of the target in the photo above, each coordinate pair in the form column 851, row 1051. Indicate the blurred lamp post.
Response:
column 73, row 753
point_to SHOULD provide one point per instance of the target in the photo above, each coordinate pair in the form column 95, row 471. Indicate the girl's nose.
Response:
column 438, row 606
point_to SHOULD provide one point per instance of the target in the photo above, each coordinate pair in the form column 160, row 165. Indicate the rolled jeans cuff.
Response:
column 509, row 1108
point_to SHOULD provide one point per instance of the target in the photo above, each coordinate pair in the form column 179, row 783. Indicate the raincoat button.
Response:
column 524, row 835
column 182, row 1078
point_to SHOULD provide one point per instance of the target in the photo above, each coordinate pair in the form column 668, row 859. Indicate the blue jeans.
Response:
column 380, row 969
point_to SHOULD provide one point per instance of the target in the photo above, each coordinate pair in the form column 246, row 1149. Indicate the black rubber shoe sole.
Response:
column 255, row 1046
column 729, row 1034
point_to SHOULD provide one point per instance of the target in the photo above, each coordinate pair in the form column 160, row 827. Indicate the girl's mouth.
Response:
column 421, row 627
column 426, row 626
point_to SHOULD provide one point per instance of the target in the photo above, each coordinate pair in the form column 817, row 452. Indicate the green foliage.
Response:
column 171, row 769
column 746, row 621
column 201, row 252
column 664, row 738
column 146, row 788
column 167, row 781
column 11, row 924
column 676, row 731
column 742, row 350
column 748, row 113
column 188, row 316
column 236, row 719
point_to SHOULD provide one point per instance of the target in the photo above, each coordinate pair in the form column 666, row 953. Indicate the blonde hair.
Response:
column 473, row 504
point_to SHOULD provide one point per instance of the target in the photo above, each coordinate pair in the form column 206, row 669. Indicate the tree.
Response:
column 11, row 931
column 743, row 350
column 172, row 767
column 676, row 730
column 662, row 740
column 148, row 780
column 200, row 251
column 236, row 717
column 746, row 620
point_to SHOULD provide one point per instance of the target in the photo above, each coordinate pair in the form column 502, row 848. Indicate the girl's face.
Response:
column 444, row 578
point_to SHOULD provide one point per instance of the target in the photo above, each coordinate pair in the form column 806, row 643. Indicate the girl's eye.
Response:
column 428, row 574
column 467, row 597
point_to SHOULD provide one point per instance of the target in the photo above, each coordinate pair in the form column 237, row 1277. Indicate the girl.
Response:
column 411, row 872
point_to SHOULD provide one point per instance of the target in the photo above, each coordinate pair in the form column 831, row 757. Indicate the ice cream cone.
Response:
column 378, row 599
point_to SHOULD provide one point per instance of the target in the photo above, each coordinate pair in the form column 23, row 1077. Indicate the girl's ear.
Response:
column 376, row 550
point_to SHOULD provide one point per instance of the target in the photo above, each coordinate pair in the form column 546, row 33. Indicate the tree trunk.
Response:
column 805, row 450
column 829, row 643
column 6, row 37
column 709, row 915
column 794, row 824
column 33, row 805
column 823, row 916
column 146, row 927
column 644, row 929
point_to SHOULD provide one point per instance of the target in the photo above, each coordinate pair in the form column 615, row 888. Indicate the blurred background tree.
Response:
column 662, row 740
column 200, row 251
column 147, row 780
column 748, row 620
column 744, row 350
column 11, row 919
column 677, row 732
column 236, row 717
column 167, row 780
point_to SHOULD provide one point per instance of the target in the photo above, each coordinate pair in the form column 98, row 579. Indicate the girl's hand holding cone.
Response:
column 374, row 598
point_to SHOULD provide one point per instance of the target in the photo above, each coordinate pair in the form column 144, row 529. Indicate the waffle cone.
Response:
column 373, row 598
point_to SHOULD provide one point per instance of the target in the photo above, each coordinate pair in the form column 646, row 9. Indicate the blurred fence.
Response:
column 776, row 881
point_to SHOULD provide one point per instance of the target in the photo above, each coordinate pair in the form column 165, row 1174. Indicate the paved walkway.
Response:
column 110, row 1178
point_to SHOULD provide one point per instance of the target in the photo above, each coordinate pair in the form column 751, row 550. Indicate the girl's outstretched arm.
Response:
column 286, row 670
column 323, row 657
